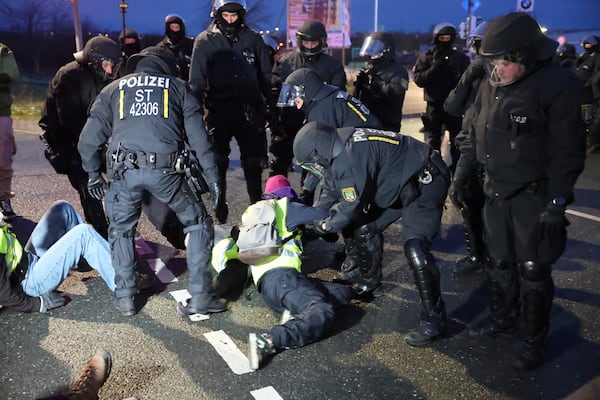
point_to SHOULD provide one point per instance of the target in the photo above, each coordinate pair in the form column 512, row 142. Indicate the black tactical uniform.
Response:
column 382, row 84
column 373, row 178
column 286, row 122
column 529, row 135
column 231, row 67
column 587, row 68
column 131, row 43
column 69, row 96
column 146, row 118
column 458, row 104
column 438, row 72
column 181, row 45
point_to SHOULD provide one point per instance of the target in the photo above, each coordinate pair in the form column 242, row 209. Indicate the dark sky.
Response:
column 146, row 16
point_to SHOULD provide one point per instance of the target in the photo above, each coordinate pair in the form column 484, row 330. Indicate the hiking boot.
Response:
column 7, row 210
column 125, row 305
column 468, row 264
column 94, row 374
column 490, row 326
column 202, row 303
column 260, row 347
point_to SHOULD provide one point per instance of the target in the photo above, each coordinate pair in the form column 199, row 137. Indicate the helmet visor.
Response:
column 289, row 93
column 373, row 48
column 503, row 71
column 314, row 169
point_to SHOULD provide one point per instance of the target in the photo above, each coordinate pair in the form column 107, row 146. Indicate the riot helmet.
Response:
column 444, row 29
column 315, row 146
column 175, row 36
column 590, row 44
column 515, row 38
column 311, row 31
column 100, row 53
column 475, row 37
column 304, row 83
column 378, row 45
column 232, row 6
column 131, row 42
column 155, row 57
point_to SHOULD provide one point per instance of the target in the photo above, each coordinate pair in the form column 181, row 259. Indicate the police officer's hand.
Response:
column 362, row 78
column 95, row 185
column 458, row 193
column 552, row 220
column 51, row 300
column 218, row 202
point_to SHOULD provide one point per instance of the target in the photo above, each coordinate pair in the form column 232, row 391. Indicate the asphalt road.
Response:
column 159, row 355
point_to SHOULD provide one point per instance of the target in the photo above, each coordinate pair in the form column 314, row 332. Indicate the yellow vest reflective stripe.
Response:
column 10, row 248
column 289, row 257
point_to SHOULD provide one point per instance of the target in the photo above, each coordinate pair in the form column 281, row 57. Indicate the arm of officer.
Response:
column 14, row 298
column 198, row 67
column 96, row 131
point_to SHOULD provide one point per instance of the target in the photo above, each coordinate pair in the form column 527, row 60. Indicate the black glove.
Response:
column 95, row 185
column 330, row 237
column 552, row 220
column 321, row 228
column 218, row 202
column 362, row 78
column 51, row 300
column 458, row 193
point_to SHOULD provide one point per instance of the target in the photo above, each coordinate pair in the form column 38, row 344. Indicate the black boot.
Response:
column 349, row 271
column 503, row 302
column 538, row 293
column 432, row 321
column 473, row 262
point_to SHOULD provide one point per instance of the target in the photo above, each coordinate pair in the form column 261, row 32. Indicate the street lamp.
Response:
column 376, row 18
column 123, row 6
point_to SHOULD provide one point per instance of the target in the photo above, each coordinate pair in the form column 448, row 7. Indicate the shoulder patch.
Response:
column 349, row 194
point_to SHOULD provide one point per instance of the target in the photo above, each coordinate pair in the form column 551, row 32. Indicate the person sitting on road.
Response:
column 308, row 306
column 29, row 275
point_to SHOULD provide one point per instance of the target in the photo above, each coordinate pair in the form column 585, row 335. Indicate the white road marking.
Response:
column 266, row 393
column 182, row 296
column 231, row 354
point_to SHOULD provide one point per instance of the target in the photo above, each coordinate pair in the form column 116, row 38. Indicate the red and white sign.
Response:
column 334, row 14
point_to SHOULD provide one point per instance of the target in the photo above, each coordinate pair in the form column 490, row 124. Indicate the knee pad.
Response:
column 534, row 272
column 417, row 254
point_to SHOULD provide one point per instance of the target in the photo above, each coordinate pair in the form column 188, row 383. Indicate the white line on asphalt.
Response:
column 583, row 215
column 266, row 393
column 231, row 354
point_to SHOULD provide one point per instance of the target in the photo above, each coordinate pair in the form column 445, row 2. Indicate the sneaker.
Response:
column 126, row 305
column 260, row 347
column 202, row 303
column 94, row 374
column 7, row 210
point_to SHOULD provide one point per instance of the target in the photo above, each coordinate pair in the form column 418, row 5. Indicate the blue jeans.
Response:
column 56, row 245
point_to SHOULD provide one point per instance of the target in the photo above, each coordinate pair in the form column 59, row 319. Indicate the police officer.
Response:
column 382, row 83
column 176, row 41
column 70, row 94
column 231, row 72
column 587, row 68
column 131, row 43
column 437, row 72
column 532, row 156
column 458, row 104
column 372, row 179
column 311, row 40
column 146, row 118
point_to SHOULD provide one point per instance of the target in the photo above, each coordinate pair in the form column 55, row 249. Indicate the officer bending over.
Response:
column 146, row 118
column 373, row 178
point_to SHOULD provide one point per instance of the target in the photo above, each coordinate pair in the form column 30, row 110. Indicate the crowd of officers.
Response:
column 518, row 146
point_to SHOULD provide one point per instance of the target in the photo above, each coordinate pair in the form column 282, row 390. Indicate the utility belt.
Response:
column 435, row 166
column 122, row 159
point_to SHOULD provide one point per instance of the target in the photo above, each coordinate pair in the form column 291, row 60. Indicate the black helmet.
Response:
column 158, row 58
column 174, row 37
column 517, row 37
column 131, row 42
column 233, row 6
column 444, row 28
column 312, row 30
column 316, row 145
column 378, row 45
column 475, row 37
column 98, row 49
column 304, row 83
column 590, row 43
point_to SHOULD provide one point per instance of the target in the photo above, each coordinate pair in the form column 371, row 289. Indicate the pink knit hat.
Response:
column 276, row 182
